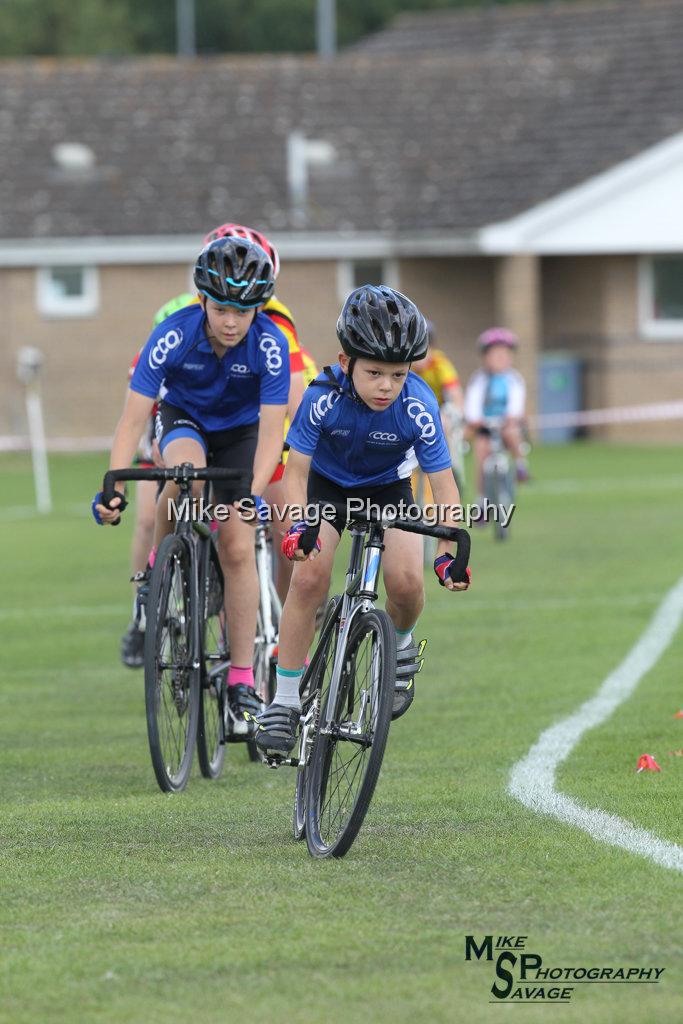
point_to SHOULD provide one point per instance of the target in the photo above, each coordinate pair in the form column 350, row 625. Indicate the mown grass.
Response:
column 120, row 904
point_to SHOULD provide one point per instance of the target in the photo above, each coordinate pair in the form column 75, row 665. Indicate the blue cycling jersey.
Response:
column 179, row 365
column 497, row 396
column 355, row 447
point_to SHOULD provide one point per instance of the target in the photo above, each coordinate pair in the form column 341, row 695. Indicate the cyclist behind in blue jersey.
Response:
column 496, row 392
column 224, row 368
column 361, row 428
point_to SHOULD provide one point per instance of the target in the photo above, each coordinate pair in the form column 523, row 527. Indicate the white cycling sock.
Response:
column 287, row 692
column 404, row 637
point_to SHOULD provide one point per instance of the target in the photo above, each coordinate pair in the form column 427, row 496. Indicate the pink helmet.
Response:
column 250, row 234
column 497, row 336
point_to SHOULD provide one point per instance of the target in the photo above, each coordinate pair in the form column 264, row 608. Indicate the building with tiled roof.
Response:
column 518, row 163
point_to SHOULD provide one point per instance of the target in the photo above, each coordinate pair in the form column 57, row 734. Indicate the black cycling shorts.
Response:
column 321, row 489
column 228, row 449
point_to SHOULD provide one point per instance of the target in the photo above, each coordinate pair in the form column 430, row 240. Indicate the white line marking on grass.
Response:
column 532, row 780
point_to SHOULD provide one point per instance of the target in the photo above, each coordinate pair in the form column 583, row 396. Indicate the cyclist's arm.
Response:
column 295, row 482
column 269, row 446
column 296, row 393
column 136, row 412
column 447, row 499
column 452, row 394
column 516, row 400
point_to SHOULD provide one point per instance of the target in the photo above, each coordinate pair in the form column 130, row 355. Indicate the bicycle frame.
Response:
column 269, row 600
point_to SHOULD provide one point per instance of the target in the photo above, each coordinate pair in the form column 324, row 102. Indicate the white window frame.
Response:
column 652, row 328
column 56, row 306
column 345, row 284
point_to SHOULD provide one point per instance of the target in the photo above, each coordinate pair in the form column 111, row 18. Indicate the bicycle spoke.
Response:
column 346, row 759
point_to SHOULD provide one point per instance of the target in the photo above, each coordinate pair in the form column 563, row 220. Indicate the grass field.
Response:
column 120, row 904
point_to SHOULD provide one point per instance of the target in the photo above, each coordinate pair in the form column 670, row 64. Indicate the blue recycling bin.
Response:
column 559, row 390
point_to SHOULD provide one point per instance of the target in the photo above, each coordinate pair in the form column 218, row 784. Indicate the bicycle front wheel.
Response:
column 210, row 748
column 349, row 745
column 314, row 685
column 171, row 680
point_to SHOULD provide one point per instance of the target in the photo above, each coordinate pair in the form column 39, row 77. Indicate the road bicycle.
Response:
column 347, row 695
column 187, row 654
column 498, row 476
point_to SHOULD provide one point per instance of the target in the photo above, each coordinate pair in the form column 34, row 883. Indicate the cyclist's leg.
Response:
column 133, row 640
column 236, row 553
column 275, row 496
column 180, row 440
column 174, row 453
column 143, row 533
column 482, row 449
column 277, row 726
column 403, row 577
column 235, row 449
column 512, row 438
column 404, row 583
column 310, row 583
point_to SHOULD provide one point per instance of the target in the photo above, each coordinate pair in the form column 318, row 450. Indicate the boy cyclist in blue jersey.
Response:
column 222, row 368
column 359, row 432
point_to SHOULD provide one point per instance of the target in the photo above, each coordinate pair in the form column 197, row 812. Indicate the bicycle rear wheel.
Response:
column 265, row 680
column 171, row 681
column 210, row 749
column 315, row 683
column 347, row 757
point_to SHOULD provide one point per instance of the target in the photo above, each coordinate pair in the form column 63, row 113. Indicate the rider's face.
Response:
column 498, row 358
column 378, row 384
column 227, row 325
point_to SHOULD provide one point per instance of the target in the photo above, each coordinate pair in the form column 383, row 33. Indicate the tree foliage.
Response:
column 94, row 27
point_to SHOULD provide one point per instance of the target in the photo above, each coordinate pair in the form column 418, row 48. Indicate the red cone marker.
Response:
column 647, row 763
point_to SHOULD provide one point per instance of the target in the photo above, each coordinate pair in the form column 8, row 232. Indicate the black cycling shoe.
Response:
column 408, row 664
column 242, row 707
column 142, row 579
column 133, row 647
column 276, row 730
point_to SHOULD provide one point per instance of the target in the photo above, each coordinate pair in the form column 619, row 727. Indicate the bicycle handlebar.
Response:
column 456, row 534
column 179, row 474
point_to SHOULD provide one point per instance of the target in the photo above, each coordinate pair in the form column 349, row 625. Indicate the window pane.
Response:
column 368, row 272
column 67, row 281
column 668, row 277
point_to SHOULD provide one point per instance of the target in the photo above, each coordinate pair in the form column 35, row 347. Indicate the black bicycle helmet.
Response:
column 235, row 272
column 377, row 322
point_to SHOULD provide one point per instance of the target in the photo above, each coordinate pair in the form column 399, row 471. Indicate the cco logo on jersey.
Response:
column 270, row 347
column 379, row 435
column 163, row 346
column 241, row 369
column 424, row 420
column 321, row 407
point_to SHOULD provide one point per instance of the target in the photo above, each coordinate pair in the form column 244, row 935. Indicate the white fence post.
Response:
column 29, row 362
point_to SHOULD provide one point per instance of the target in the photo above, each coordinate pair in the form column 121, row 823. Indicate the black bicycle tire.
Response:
column 210, row 765
column 324, row 636
column 171, row 547
column 505, row 497
column 342, row 843
column 267, row 691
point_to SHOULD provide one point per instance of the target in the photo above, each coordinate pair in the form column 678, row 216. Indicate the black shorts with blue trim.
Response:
column 227, row 449
column 322, row 489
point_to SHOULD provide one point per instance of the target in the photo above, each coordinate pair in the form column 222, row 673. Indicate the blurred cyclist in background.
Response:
column 496, row 392
column 302, row 371
column 440, row 374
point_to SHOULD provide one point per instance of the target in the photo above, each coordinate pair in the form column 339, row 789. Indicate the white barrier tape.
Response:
column 19, row 443
column 586, row 418
column 622, row 414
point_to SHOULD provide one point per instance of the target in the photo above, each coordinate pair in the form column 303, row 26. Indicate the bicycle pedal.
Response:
column 273, row 761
